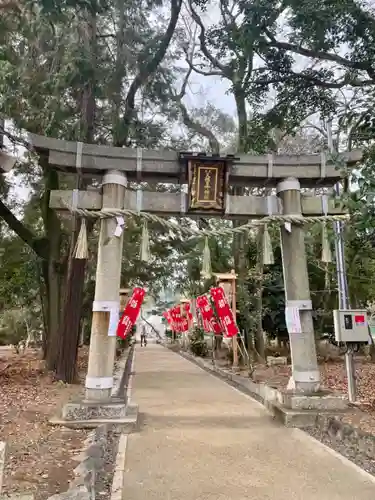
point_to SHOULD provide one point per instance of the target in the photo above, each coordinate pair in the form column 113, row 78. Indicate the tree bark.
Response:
column 146, row 71
column 239, row 97
column 69, row 332
column 259, row 337
column 51, row 267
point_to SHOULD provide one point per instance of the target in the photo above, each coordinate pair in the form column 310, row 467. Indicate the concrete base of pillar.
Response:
column 90, row 414
column 324, row 400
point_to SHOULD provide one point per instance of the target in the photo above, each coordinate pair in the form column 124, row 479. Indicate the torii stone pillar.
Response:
column 99, row 380
column 305, row 371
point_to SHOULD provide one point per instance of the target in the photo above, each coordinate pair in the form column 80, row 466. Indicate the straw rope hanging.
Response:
column 191, row 233
column 81, row 249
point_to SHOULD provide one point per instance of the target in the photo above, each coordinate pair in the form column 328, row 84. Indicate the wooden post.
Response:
column 305, row 372
column 185, row 335
column 228, row 283
column 99, row 380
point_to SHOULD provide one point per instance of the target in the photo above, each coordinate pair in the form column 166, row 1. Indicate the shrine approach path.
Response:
column 201, row 439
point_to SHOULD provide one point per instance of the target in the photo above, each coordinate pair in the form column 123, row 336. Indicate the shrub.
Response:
column 197, row 342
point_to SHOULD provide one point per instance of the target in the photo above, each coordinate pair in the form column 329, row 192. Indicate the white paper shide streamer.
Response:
column 326, row 247
column 268, row 257
column 267, row 251
column 206, row 264
column 145, row 245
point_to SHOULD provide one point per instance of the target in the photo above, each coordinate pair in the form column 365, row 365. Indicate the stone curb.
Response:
column 2, row 463
column 91, row 460
column 118, row 478
column 119, row 370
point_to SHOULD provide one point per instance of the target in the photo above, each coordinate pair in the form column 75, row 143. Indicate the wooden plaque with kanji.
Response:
column 206, row 185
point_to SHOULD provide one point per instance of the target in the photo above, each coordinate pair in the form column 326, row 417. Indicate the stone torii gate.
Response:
column 204, row 192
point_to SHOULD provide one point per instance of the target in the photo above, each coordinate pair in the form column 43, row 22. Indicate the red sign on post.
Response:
column 131, row 312
column 224, row 312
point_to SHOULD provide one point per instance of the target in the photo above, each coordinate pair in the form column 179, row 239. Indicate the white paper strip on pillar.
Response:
column 293, row 320
column 114, row 314
column 99, row 382
column 105, row 305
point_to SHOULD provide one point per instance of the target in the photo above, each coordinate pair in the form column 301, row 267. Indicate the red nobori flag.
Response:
column 131, row 312
column 181, row 322
column 175, row 314
column 167, row 316
column 209, row 321
column 224, row 311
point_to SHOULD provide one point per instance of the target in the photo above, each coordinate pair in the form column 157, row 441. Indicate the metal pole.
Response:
column 342, row 282
column 234, row 308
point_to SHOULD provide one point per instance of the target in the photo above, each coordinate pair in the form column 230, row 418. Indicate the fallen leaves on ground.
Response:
column 40, row 458
column 333, row 377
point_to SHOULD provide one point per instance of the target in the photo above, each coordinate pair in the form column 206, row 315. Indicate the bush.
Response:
column 13, row 326
column 197, row 343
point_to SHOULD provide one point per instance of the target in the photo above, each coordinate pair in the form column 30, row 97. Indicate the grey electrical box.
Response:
column 351, row 325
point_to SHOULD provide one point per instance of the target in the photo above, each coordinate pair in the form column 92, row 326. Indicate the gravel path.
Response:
column 348, row 448
column 199, row 438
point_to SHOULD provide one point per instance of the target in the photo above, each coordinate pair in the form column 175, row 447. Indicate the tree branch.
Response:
column 202, row 41
column 188, row 120
column 315, row 81
column 148, row 69
column 201, row 72
column 36, row 244
column 314, row 54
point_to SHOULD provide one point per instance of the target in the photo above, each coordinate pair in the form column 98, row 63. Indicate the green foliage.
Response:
column 197, row 343
column 17, row 325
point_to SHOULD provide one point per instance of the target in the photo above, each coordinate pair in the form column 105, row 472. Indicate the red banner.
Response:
column 209, row 321
column 175, row 315
column 167, row 316
column 224, row 312
column 131, row 312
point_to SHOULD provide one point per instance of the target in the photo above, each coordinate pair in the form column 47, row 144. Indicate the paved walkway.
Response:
column 200, row 439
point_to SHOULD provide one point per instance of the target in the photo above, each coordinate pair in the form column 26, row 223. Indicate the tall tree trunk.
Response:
column 259, row 269
column 119, row 74
column 240, row 240
column 50, row 266
column 71, row 318
column 239, row 97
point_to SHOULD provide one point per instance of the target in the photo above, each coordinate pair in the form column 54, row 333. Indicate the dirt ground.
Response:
column 333, row 376
column 40, row 458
